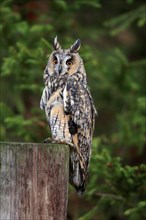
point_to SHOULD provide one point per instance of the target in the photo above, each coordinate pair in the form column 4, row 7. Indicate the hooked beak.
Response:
column 60, row 69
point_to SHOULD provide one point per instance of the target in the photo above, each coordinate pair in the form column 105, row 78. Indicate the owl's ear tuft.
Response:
column 56, row 44
column 76, row 46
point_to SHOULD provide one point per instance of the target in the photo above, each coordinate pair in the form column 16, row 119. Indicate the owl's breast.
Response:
column 56, row 82
column 57, row 118
column 55, row 97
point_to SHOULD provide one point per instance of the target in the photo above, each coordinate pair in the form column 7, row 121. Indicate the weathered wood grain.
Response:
column 33, row 181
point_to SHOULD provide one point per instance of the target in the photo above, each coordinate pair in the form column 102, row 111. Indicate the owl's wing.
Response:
column 44, row 98
column 79, row 105
column 48, row 88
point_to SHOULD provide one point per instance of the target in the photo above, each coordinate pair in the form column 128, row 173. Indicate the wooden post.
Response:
column 33, row 181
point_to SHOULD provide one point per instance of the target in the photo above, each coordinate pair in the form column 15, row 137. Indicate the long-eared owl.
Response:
column 69, row 108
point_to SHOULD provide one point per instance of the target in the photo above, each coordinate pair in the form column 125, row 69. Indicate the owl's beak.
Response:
column 60, row 69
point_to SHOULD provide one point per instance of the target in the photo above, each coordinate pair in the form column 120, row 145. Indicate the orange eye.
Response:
column 55, row 60
column 69, row 62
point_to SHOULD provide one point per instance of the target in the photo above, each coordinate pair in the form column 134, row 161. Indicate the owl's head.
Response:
column 65, row 61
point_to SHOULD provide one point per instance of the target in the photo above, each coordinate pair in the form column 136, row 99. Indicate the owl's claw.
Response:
column 48, row 140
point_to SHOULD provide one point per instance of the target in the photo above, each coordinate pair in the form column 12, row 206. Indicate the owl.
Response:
column 69, row 108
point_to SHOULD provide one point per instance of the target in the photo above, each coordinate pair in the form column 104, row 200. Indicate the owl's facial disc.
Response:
column 56, row 63
column 55, row 60
column 65, row 62
column 70, row 62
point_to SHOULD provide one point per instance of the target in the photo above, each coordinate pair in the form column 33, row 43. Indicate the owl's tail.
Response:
column 76, row 177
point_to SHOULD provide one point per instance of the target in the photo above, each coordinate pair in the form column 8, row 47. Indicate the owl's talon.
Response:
column 59, row 142
column 50, row 140
column 47, row 140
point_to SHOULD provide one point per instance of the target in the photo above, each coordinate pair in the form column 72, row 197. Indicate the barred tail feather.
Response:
column 76, row 173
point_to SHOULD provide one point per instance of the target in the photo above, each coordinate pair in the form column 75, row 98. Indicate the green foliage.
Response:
column 24, row 50
column 115, row 184
column 114, row 56
column 123, row 21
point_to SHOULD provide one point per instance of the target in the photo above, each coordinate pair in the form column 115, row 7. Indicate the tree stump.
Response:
column 33, row 181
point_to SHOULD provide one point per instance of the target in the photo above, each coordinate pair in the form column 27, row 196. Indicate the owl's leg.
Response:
column 63, row 142
column 51, row 140
column 54, row 141
column 48, row 140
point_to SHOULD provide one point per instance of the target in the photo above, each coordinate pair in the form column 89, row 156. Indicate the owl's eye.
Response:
column 69, row 62
column 55, row 60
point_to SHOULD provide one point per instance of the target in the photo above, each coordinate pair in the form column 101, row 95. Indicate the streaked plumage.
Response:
column 69, row 108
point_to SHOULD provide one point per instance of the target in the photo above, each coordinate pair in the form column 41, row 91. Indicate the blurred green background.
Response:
column 113, row 36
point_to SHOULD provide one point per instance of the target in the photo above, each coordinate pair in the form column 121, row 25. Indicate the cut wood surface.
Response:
column 33, row 181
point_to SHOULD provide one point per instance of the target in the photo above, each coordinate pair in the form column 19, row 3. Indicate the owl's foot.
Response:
column 50, row 140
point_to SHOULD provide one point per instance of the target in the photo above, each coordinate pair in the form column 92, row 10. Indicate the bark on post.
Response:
column 33, row 181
